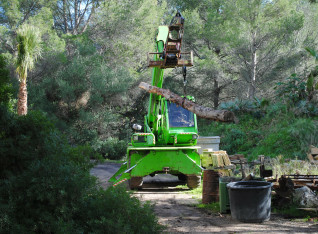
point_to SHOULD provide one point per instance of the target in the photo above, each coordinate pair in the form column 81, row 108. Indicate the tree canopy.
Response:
column 94, row 55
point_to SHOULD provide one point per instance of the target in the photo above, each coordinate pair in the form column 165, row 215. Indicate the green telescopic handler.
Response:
column 168, row 143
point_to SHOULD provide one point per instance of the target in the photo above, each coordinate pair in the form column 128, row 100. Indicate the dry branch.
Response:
column 201, row 111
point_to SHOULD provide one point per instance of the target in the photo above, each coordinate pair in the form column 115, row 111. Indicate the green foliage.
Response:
column 298, row 95
column 112, row 148
column 312, row 52
column 292, row 211
column 214, row 207
column 45, row 185
column 306, row 133
column 231, row 38
column 278, row 140
column 293, row 89
column 29, row 49
column 86, row 82
column 254, row 107
column 125, row 31
column 236, row 138
column 279, row 130
column 6, row 89
column 305, row 108
column 81, row 96
column 114, row 211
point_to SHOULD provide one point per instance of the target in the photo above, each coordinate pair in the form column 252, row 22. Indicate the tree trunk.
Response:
column 65, row 17
column 216, row 93
column 204, row 112
column 252, row 88
column 76, row 16
column 23, row 99
column 89, row 18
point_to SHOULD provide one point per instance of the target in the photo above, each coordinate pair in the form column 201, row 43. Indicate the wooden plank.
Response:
column 155, row 63
column 184, row 63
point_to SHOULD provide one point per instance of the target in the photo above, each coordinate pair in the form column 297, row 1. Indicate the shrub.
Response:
column 305, row 133
column 45, row 185
column 114, row 211
column 82, row 95
column 112, row 148
column 254, row 107
column 278, row 132
column 293, row 89
column 305, row 108
column 6, row 89
column 277, row 141
column 235, row 138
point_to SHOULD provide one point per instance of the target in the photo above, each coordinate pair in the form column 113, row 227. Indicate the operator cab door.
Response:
column 180, row 125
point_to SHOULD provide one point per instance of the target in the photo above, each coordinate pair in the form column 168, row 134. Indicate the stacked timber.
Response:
column 216, row 160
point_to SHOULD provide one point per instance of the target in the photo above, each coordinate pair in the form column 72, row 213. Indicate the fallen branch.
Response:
column 201, row 111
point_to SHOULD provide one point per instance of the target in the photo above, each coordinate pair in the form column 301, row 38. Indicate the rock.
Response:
column 305, row 197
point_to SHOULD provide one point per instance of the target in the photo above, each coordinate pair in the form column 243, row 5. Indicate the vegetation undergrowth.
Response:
column 293, row 212
column 284, row 166
column 272, row 130
column 197, row 194
column 214, row 206
column 46, row 187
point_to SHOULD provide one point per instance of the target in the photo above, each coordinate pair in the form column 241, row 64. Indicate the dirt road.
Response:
column 176, row 210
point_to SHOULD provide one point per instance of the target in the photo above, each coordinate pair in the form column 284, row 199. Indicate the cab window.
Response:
column 179, row 117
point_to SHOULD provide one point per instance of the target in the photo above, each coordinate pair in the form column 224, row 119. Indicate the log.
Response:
column 314, row 150
column 201, row 111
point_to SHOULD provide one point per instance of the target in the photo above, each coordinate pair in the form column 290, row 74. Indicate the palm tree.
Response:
column 29, row 50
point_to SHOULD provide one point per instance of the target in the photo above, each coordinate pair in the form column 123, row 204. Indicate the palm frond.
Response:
column 29, row 49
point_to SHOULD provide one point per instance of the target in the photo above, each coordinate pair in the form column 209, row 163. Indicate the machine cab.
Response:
column 179, row 125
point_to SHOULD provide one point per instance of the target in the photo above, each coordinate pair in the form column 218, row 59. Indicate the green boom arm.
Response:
column 157, row 79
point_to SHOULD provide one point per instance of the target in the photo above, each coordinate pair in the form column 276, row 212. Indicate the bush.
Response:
column 292, row 90
column 278, row 132
column 114, row 211
column 82, row 94
column 235, row 138
column 112, row 148
column 45, row 185
column 254, row 107
column 277, row 141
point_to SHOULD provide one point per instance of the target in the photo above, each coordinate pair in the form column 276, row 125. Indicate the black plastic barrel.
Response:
column 250, row 201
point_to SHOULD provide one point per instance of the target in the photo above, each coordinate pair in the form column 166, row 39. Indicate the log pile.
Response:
column 217, row 160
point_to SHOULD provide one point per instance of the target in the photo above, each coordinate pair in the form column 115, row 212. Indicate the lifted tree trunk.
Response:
column 201, row 111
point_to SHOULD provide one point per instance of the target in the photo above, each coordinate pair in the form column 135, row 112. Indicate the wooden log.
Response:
column 314, row 150
column 201, row 111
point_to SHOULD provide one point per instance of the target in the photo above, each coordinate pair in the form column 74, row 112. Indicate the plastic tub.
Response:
column 250, row 201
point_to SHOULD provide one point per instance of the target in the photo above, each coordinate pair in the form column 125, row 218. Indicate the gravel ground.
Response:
column 176, row 210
